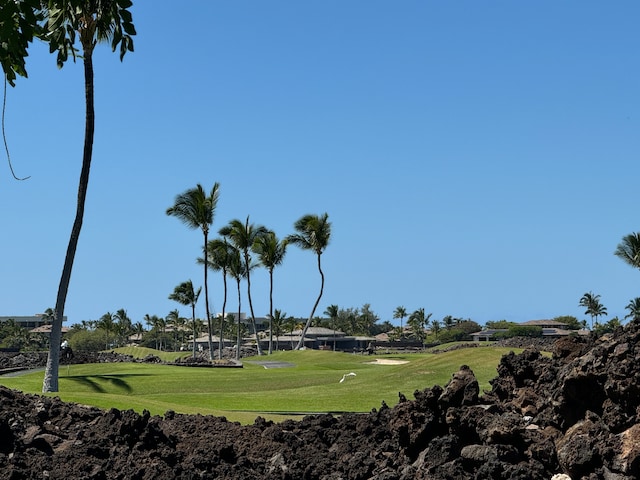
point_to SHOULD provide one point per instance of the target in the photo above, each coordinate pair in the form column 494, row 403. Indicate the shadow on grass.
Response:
column 95, row 382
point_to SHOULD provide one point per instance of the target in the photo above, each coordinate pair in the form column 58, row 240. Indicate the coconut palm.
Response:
column 593, row 306
column 278, row 324
column 124, row 326
column 93, row 21
column 108, row 324
column 196, row 209
column 629, row 249
column 237, row 271
column 332, row 312
column 313, row 233
column 418, row 321
column 243, row 236
column 185, row 294
column 634, row 309
column 219, row 252
column 271, row 252
column 400, row 312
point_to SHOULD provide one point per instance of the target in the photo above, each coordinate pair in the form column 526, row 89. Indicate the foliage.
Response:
column 593, row 307
column 628, row 250
column 500, row 324
column 87, row 340
column 520, row 331
column 570, row 321
column 20, row 22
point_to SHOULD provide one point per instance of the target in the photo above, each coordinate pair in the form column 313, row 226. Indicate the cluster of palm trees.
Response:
column 232, row 254
column 628, row 250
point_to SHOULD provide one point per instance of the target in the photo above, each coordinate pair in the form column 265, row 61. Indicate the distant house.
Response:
column 550, row 329
column 321, row 338
column 29, row 322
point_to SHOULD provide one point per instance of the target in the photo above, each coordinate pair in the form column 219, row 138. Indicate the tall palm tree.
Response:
column 271, row 252
column 185, row 294
column 400, row 312
column 93, row 21
column 219, row 252
column 332, row 312
column 196, row 209
column 313, row 233
column 593, row 306
column 237, row 271
column 243, row 236
column 634, row 309
column 629, row 249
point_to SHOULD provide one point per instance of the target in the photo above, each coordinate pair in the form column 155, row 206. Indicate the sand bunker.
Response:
column 388, row 361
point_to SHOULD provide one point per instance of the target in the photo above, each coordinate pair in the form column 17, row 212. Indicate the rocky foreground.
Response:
column 574, row 414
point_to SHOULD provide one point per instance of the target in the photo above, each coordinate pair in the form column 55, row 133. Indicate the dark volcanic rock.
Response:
column 574, row 413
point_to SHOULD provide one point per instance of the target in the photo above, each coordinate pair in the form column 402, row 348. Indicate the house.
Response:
column 29, row 322
column 321, row 338
column 550, row 329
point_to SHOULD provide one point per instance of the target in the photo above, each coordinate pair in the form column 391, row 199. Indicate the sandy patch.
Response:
column 387, row 361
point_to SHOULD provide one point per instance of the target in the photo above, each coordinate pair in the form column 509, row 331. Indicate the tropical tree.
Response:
column 237, row 271
column 123, row 327
column 435, row 327
column 313, row 233
column 108, row 324
column 93, row 21
column 270, row 252
column 593, row 306
column 634, row 309
column 418, row 321
column 332, row 312
column 400, row 312
column 243, row 236
column 22, row 22
column 196, row 209
column 629, row 249
column 277, row 324
column 185, row 294
column 219, row 253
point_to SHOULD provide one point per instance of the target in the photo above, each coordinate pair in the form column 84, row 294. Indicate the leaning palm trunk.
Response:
column 50, row 383
column 306, row 326
column 206, row 297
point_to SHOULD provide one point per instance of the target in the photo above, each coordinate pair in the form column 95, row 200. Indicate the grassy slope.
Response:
column 312, row 385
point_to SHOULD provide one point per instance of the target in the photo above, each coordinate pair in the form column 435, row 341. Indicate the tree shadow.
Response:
column 94, row 382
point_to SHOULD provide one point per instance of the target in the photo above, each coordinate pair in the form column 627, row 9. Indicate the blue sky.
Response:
column 476, row 159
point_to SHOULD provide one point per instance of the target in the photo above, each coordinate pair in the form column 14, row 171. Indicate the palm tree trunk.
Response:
column 224, row 306
column 270, row 311
column 238, row 339
column 206, row 295
column 306, row 326
column 253, row 317
column 193, row 320
column 50, row 382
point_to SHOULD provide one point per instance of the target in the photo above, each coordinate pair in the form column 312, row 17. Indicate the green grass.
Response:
column 241, row 394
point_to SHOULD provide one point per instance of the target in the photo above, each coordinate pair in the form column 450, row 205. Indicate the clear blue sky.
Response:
column 476, row 159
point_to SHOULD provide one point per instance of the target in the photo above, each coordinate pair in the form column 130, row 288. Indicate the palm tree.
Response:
column 124, row 326
column 185, row 294
column 400, row 312
column 243, row 236
column 418, row 322
column 593, row 306
column 629, row 249
column 196, row 209
column 278, row 324
column 271, row 252
column 313, row 234
column 219, row 252
column 332, row 312
column 237, row 271
column 107, row 323
column 93, row 21
column 435, row 327
column 634, row 309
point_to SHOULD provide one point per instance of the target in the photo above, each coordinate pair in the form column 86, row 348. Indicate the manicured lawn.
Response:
column 312, row 384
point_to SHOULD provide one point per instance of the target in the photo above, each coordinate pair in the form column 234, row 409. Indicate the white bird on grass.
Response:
column 347, row 375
